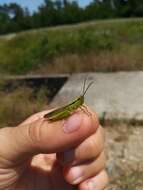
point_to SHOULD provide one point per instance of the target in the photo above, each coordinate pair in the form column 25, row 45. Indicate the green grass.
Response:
column 105, row 45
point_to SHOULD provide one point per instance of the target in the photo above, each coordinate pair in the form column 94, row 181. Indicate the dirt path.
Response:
column 125, row 157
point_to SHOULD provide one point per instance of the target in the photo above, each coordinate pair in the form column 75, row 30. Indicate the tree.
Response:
column 58, row 4
column 72, row 12
column 14, row 18
column 18, row 16
column 99, row 10
column 135, row 7
column 4, row 20
column 121, row 8
column 47, row 13
column 26, row 22
column 65, row 3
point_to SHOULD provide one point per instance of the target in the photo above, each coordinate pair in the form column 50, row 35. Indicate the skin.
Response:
column 39, row 154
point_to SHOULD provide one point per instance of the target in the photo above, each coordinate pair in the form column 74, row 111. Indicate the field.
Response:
column 106, row 46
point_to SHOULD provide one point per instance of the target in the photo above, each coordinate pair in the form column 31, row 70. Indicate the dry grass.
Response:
column 19, row 104
column 127, row 59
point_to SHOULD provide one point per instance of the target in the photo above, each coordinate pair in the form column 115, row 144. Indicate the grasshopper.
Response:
column 67, row 110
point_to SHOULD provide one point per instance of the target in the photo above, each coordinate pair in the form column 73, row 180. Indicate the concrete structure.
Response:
column 114, row 96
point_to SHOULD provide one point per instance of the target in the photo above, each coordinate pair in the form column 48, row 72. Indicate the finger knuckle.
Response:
column 34, row 132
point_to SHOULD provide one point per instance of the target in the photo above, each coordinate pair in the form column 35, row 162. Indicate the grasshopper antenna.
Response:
column 84, row 85
column 85, row 90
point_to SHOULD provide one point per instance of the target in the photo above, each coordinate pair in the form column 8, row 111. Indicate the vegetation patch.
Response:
column 106, row 46
column 20, row 103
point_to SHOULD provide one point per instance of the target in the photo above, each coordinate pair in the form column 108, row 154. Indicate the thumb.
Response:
column 42, row 136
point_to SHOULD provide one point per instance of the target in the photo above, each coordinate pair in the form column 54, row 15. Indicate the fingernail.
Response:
column 72, row 123
column 76, row 175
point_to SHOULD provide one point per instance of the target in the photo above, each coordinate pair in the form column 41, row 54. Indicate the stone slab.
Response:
column 114, row 96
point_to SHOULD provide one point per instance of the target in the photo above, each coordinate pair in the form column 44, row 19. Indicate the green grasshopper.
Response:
column 67, row 110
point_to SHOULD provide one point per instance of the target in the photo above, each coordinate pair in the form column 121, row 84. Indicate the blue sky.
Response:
column 33, row 4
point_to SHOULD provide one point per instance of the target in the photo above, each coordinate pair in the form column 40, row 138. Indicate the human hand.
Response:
column 39, row 154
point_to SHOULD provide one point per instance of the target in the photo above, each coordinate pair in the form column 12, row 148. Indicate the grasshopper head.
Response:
column 81, row 99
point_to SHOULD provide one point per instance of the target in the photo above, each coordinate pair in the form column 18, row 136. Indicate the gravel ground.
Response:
column 125, row 157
